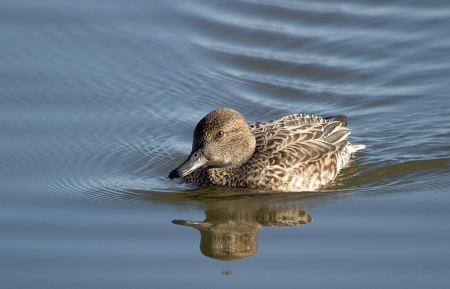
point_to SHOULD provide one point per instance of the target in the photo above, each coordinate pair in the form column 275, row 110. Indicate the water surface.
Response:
column 98, row 101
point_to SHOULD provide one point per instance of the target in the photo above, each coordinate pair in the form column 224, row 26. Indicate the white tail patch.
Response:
column 353, row 148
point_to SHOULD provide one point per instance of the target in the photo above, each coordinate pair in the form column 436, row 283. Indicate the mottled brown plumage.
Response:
column 295, row 153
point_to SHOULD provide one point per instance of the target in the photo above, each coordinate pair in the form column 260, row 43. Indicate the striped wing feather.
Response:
column 299, row 139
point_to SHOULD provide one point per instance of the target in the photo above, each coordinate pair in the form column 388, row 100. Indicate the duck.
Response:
column 296, row 153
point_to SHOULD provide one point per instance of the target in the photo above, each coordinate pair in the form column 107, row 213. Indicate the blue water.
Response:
column 98, row 101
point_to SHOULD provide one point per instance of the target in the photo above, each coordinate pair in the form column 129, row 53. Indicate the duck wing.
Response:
column 296, row 139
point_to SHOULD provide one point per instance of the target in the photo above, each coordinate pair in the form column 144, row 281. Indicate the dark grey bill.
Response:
column 194, row 161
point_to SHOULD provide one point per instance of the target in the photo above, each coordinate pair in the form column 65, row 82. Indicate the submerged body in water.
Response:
column 295, row 153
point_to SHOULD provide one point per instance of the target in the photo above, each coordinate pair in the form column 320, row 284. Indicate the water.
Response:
column 98, row 101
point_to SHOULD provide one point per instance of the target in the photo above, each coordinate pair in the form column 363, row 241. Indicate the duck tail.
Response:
column 355, row 147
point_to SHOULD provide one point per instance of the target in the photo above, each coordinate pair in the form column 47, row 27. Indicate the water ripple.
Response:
column 103, row 103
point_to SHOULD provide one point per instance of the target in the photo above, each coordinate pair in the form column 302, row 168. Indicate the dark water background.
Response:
column 98, row 100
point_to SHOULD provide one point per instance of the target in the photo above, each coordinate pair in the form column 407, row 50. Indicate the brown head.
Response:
column 221, row 139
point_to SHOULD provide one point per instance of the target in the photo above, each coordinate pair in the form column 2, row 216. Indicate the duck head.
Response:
column 222, row 138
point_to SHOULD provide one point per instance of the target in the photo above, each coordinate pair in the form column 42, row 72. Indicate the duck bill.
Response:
column 195, row 160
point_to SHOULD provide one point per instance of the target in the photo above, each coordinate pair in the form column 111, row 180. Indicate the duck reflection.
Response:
column 234, row 217
column 230, row 234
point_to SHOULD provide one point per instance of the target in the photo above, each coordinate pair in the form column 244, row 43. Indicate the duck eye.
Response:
column 220, row 133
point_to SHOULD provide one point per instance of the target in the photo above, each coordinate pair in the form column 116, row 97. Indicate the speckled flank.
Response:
column 295, row 153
